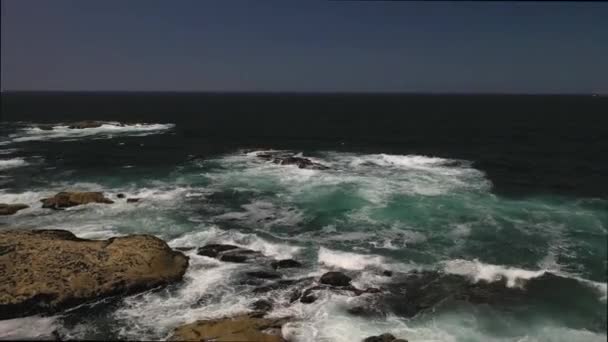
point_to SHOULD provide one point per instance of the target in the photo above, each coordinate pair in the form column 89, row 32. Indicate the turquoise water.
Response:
column 367, row 213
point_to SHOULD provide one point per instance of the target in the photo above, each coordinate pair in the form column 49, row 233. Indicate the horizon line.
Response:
column 273, row 92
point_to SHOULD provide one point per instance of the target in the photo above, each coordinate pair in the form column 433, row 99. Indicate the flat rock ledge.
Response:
column 45, row 271
column 243, row 328
column 66, row 199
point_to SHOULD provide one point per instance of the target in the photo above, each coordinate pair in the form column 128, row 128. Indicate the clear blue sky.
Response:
column 258, row 45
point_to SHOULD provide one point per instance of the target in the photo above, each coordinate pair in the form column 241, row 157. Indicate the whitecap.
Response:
column 107, row 130
column 349, row 261
column 12, row 163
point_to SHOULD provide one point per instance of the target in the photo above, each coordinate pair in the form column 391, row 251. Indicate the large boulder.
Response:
column 45, row 271
column 335, row 279
column 10, row 209
column 243, row 328
column 69, row 199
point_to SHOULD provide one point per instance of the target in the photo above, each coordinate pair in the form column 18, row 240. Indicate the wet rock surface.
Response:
column 335, row 279
column 45, row 271
column 283, row 158
column 86, row 124
column 10, row 209
column 229, row 253
column 285, row 263
column 384, row 338
column 244, row 328
column 70, row 199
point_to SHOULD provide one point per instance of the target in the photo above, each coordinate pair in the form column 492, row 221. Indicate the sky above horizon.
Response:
column 308, row 46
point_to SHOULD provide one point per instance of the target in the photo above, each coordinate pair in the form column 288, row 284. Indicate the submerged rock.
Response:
column 45, row 271
column 213, row 250
column 69, row 199
column 10, row 209
column 243, row 328
column 383, row 338
column 120, row 195
column 264, row 275
column 229, row 253
column 261, row 305
column 283, row 158
column 132, row 200
column 335, row 279
column 302, row 163
column 86, row 124
column 285, row 263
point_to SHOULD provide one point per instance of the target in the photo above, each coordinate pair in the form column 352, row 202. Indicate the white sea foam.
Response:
column 515, row 276
column 265, row 214
column 487, row 272
column 106, row 130
column 206, row 280
column 348, row 261
column 28, row 328
column 12, row 163
column 214, row 234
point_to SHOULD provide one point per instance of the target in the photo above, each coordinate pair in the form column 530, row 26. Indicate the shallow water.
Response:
column 369, row 212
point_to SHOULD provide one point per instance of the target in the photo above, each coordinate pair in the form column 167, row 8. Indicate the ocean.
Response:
column 490, row 188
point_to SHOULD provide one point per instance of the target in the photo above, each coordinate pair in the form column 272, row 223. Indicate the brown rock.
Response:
column 242, row 328
column 45, row 271
column 10, row 209
column 70, row 199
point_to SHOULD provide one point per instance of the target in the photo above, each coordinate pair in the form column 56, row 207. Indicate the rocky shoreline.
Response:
column 47, row 271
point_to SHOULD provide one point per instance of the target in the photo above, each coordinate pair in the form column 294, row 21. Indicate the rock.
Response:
column 45, row 271
column 285, row 263
column 302, row 163
column 264, row 275
column 383, row 338
column 261, row 305
column 213, row 250
column 120, row 195
column 86, row 124
column 295, row 295
column 243, row 328
column 335, row 279
column 284, row 284
column 45, row 127
column 387, row 273
column 229, row 253
column 184, row 249
column 10, row 209
column 132, row 200
column 70, row 199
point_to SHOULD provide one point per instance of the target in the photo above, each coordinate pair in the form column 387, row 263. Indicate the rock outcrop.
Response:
column 67, row 199
column 283, row 158
column 384, row 338
column 335, row 279
column 243, row 328
column 45, row 271
column 229, row 253
column 86, row 124
column 10, row 209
